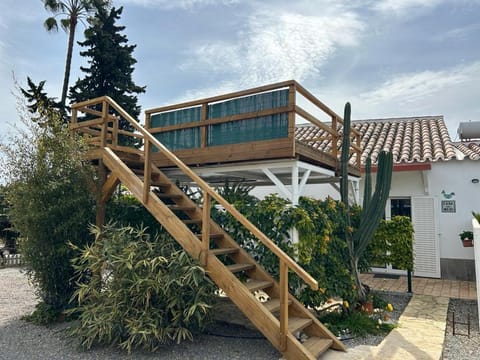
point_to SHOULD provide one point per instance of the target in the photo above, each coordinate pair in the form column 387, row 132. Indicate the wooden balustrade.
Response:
column 247, row 150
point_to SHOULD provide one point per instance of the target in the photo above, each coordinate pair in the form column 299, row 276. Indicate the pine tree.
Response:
column 111, row 67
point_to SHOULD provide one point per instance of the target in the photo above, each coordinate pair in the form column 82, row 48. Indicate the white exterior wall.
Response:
column 404, row 184
column 316, row 191
column 451, row 176
column 456, row 176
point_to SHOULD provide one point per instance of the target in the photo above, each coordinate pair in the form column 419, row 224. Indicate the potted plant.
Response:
column 467, row 238
column 367, row 306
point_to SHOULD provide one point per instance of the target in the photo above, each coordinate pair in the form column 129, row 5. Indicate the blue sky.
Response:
column 389, row 58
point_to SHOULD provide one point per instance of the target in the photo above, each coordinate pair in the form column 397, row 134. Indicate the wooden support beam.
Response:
column 205, row 229
column 283, row 305
column 109, row 187
column 101, row 204
column 147, row 173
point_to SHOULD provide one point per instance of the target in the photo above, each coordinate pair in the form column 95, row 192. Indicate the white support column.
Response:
column 283, row 189
column 295, row 192
column 303, row 182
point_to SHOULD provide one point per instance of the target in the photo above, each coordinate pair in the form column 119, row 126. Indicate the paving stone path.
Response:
column 420, row 334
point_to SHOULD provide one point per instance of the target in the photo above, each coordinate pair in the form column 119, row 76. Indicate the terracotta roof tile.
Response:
column 411, row 140
column 469, row 149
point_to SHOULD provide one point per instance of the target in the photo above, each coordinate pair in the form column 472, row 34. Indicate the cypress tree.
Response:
column 111, row 65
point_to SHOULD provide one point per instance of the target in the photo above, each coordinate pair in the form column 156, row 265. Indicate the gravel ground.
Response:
column 461, row 346
column 20, row 340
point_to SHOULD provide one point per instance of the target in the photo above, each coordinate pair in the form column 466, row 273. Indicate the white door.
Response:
column 426, row 247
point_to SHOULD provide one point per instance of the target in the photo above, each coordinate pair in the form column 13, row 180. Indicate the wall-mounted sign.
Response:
column 448, row 206
column 448, row 195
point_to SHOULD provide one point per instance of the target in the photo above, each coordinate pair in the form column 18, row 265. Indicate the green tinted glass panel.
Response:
column 256, row 129
column 178, row 139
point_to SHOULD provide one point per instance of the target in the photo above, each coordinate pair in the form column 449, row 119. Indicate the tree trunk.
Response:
column 68, row 62
column 361, row 295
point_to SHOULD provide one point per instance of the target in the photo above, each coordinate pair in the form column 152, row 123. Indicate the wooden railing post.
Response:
column 205, row 228
column 203, row 129
column 147, row 169
column 283, row 305
column 115, row 131
column 292, row 92
column 104, row 131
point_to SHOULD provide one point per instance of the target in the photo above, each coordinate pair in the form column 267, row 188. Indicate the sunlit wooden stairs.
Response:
column 284, row 321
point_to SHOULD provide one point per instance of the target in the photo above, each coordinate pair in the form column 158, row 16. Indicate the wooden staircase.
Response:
column 285, row 322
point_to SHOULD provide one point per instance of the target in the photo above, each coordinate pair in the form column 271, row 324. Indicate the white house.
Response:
column 435, row 182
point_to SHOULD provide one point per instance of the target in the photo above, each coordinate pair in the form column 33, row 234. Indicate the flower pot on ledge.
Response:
column 467, row 242
column 467, row 238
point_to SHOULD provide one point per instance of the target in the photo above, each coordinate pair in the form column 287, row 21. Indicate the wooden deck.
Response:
column 282, row 147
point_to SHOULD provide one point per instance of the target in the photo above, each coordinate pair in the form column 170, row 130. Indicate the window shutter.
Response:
column 426, row 247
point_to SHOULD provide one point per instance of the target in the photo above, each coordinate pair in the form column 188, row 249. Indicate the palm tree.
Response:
column 71, row 12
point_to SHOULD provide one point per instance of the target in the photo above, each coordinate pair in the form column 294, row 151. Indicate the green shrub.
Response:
column 321, row 251
column 149, row 293
column 49, row 204
column 355, row 323
column 393, row 243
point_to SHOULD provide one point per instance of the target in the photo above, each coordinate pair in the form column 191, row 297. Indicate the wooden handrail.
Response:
column 236, row 94
column 148, row 137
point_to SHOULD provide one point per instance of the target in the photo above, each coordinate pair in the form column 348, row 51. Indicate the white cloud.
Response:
column 412, row 87
column 459, row 33
column 174, row 4
column 278, row 45
column 403, row 6
column 451, row 92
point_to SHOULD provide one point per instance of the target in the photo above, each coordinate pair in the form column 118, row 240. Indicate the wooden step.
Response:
column 168, row 196
column 224, row 251
column 160, row 184
column 296, row 324
column 240, row 267
column 181, row 208
column 192, row 221
column 317, row 346
column 212, row 236
column 273, row 305
column 254, row 285
column 141, row 172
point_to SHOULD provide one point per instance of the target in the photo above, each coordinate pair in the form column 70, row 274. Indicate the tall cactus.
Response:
column 345, row 155
column 373, row 206
column 367, row 184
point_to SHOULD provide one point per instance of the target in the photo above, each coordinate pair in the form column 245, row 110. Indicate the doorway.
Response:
column 397, row 206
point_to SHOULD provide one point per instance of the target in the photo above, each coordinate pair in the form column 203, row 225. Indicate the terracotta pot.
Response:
column 367, row 307
column 467, row 242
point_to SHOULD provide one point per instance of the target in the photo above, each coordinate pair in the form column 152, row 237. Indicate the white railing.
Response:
column 10, row 260
column 476, row 248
